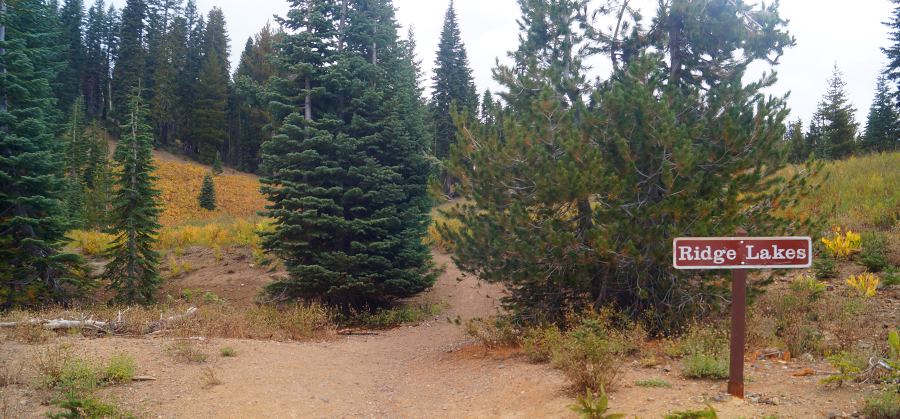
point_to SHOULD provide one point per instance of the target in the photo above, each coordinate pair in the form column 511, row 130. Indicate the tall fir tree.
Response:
column 883, row 122
column 100, row 42
column 207, row 197
column 892, row 72
column 71, row 39
column 131, row 60
column 33, row 268
column 453, row 82
column 835, row 125
column 211, row 105
column 193, row 29
column 575, row 206
column 347, row 188
column 252, row 114
column 166, row 47
column 133, row 268
column 798, row 144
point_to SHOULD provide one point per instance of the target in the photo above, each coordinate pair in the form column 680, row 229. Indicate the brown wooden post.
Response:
column 738, row 319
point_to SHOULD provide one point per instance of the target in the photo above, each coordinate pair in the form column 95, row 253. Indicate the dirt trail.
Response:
column 430, row 370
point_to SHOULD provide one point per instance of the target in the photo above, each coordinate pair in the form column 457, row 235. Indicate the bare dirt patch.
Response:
column 425, row 370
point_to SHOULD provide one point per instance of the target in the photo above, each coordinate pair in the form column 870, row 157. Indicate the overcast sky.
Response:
column 848, row 33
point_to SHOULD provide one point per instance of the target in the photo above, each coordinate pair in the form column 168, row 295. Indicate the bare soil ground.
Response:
column 426, row 370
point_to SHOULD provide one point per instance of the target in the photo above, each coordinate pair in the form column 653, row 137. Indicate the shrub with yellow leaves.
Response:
column 865, row 284
column 843, row 245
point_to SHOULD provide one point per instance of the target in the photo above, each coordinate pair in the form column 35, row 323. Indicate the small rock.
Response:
column 754, row 400
column 667, row 368
column 831, row 415
column 721, row 398
column 325, row 399
column 650, row 399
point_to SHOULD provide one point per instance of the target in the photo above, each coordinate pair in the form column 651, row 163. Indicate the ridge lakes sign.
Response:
column 742, row 252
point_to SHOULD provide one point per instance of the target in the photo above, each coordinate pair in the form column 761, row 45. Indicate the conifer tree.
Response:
column 883, row 122
column 210, row 109
column 836, row 126
column 453, row 82
column 217, row 164
column 892, row 72
column 576, row 207
column 100, row 43
column 347, row 188
column 133, row 265
column 207, row 197
column 799, row 147
column 192, row 30
column 250, row 84
column 70, row 79
column 131, row 60
column 33, row 269
column 165, row 55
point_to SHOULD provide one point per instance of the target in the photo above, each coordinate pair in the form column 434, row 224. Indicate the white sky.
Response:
column 827, row 31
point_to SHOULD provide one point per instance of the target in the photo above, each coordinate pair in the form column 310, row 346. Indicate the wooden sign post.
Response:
column 740, row 253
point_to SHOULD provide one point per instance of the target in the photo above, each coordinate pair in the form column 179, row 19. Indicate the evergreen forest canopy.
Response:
column 570, row 188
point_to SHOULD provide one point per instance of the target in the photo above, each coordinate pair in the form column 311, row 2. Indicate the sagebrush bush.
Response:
column 494, row 332
column 882, row 405
column 541, row 342
column 704, row 350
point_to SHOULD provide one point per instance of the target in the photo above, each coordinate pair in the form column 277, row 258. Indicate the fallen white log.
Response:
column 90, row 323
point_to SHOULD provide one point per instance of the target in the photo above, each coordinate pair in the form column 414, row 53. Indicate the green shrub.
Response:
column 873, row 254
column 708, row 413
column 825, row 268
column 120, row 368
column 494, row 331
column 882, row 405
column 653, row 382
column 891, row 277
column 590, row 408
column 540, row 343
column 589, row 355
column 705, row 351
column 228, row 351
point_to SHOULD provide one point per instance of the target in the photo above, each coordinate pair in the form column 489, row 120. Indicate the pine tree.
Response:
column 217, row 164
column 209, row 120
column 348, row 186
column 70, row 79
column 166, row 48
column 33, row 269
column 192, row 28
column 131, row 60
column 252, row 114
column 99, row 44
column 883, row 122
column 576, row 207
column 799, row 146
column 207, row 197
column 892, row 72
column 133, row 265
column 836, row 126
column 76, row 160
column 453, row 82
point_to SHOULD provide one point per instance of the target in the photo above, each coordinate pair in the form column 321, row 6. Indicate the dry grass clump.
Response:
column 214, row 318
column 806, row 318
column 590, row 350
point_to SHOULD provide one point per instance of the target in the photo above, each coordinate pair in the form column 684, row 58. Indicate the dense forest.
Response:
column 572, row 186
